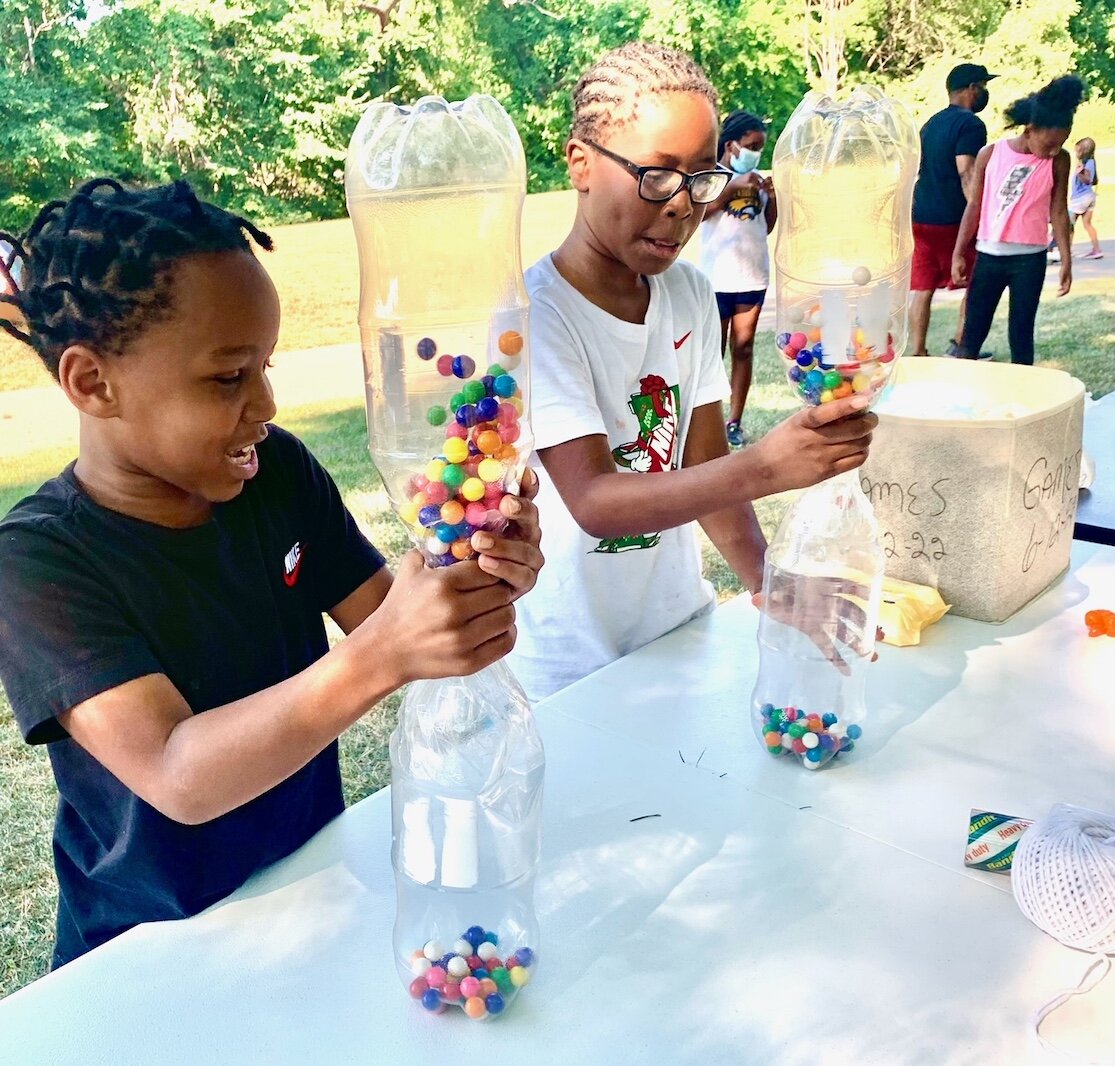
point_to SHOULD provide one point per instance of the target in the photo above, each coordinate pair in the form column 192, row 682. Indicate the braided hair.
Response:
column 1050, row 108
column 96, row 269
column 607, row 93
column 738, row 124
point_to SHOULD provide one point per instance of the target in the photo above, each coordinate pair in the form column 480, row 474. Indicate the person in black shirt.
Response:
column 950, row 141
column 161, row 600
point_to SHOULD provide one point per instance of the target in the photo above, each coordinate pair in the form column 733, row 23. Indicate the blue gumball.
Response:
column 489, row 384
column 430, row 515
column 466, row 415
column 494, row 1003
column 796, row 373
column 445, row 533
column 804, row 357
column 427, row 348
column 814, row 379
column 487, row 408
column 782, row 340
column 431, row 999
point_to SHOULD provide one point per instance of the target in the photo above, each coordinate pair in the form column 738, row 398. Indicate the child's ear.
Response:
column 81, row 373
column 576, row 158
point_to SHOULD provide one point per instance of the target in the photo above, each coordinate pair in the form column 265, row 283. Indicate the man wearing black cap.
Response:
column 950, row 141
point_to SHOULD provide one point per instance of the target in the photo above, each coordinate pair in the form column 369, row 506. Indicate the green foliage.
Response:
column 254, row 100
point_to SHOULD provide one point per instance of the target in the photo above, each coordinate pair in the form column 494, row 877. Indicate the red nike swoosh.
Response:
column 678, row 344
column 292, row 578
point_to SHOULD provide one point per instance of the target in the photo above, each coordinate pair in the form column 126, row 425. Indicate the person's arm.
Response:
column 771, row 212
column 969, row 224
column 731, row 190
column 427, row 623
column 734, row 529
column 194, row 768
column 1083, row 174
column 966, row 168
column 811, row 445
column 1059, row 216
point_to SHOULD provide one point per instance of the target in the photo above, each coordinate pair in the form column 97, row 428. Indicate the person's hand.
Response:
column 959, row 269
column 1066, row 277
column 826, row 610
column 814, row 444
column 513, row 555
column 443, row 622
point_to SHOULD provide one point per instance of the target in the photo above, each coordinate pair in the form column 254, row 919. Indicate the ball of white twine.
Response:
column 1063, row 876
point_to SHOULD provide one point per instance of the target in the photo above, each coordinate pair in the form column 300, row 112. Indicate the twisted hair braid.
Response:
column 96, row 268
column 608, row 92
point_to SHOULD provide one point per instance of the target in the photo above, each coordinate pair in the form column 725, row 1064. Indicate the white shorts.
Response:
column 1082, row 204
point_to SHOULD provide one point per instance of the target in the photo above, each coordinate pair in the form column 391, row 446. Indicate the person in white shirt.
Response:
column 627, row 384
column 734, row 252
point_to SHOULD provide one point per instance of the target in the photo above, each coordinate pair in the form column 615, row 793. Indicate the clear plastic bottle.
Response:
column 844, row 171
column 822, row 583
column 435, row 193
column 466, row 802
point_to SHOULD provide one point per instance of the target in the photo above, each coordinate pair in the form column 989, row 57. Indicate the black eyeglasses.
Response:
column 658, row 184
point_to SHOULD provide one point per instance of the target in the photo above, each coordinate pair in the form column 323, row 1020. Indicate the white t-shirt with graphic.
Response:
column 638, row 384
column 734, row 252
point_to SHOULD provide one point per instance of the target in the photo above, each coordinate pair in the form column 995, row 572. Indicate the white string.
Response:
column 1063, row 878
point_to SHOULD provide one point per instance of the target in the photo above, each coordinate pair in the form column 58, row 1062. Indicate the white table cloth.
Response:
column 768, row 915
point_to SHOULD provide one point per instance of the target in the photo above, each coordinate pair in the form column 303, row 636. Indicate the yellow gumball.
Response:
column 861, row 383
column 490, row 470
column 419, row 500
column 826, row 396
column 520, row 976
column 435, row 468
column 456, row 451
column 409, row 514
column 516, row 402
column 473, row 489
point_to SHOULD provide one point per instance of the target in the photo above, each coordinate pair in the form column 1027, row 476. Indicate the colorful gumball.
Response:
column 445, row 366
column 510, row 342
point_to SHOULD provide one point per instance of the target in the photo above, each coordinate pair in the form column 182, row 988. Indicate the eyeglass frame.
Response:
column 638, row 172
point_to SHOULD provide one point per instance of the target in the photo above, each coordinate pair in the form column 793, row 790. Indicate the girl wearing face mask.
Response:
column 1019, row 187
column 734, row 250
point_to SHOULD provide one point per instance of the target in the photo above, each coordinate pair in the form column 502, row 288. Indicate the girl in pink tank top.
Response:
column 1019, row 187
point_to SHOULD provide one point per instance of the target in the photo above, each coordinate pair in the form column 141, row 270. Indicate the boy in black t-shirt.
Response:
column 182, row 565
column 950, row 142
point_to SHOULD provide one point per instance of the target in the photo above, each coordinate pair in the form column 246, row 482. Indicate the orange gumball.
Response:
column 475, row 1007
column 511, row 342
column 488, row 987
column 815, row 335
column 461, row 549
column 489, row 442
column 842, row 390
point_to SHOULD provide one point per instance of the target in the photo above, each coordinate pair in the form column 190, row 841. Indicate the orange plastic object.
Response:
column 1100, row 623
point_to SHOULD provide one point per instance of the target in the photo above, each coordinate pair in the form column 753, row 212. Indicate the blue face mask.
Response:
column 745, row 161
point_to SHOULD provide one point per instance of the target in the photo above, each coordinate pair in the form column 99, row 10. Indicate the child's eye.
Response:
column 230, row 379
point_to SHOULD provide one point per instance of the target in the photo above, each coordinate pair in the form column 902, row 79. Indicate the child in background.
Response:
column 1020, row 186
column 1082, row 194
column 734, row 252
column 627, row 382
column 161, row 599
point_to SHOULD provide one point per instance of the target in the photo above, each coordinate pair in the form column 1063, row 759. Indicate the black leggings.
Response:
column 1024, row 275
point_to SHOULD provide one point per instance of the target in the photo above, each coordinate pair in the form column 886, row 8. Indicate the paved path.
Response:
column 32, row 419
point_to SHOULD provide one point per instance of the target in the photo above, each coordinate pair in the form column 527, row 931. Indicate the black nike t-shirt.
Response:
column 90, row 599
column 938, row 195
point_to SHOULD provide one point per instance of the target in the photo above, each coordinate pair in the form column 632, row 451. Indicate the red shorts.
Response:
column 932, row 266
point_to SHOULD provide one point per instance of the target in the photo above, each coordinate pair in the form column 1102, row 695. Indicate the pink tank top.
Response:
column 1017, row 190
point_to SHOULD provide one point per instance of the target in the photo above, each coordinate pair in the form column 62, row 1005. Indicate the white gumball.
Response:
column 433, row 950
column 861, row 275
column 457, row 967
column 463, row 948
column 420, row 967
column 486, row 951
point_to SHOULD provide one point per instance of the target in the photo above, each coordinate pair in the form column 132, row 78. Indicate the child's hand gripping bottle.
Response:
column 845, row 172
column 435, row 192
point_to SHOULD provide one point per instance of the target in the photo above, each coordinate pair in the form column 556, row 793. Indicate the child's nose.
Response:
column 261, row 404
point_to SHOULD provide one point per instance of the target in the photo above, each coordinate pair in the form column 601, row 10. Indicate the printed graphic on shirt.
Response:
column 292, row 563
column 745, row 205
column 655, row 449
column 1010, row 192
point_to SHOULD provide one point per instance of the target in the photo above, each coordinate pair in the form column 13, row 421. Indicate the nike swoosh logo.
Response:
column 292, row 578
column 678, row 344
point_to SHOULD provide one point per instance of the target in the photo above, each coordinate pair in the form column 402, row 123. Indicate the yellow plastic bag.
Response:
column 906, row 609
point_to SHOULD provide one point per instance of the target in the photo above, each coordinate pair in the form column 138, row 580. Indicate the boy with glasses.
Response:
column 628, row 379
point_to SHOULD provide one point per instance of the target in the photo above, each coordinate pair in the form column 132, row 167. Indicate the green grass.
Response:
column 315, row 270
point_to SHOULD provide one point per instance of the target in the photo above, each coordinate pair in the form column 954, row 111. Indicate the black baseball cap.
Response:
column 960, row 77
